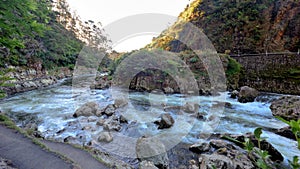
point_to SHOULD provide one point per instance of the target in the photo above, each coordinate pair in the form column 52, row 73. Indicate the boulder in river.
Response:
column 110, row 110
column 112, row 123
column 151, row 149
column 88, row 109
column 120, row 102
column 190, row 107
column 105, row 137
column 234, row 94
column 168, row 90
column 247, row 94
column 166, row 121
column 287, row 107
column 286, row 132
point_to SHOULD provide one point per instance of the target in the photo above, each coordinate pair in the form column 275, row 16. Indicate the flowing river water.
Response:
column 52, row 110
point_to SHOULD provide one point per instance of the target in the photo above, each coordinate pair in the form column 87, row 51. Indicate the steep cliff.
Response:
column 248, row 26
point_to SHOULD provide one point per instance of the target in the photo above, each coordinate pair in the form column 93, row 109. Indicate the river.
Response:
column 52, row 110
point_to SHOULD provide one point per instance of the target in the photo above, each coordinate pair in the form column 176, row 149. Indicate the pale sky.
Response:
column 111, row 12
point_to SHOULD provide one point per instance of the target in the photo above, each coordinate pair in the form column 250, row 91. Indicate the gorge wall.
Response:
column 278, row 72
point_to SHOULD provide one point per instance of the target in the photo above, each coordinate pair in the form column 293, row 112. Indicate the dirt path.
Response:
column 81, row 157
column 24, row 154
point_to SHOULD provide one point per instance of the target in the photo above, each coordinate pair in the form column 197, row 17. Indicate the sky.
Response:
column 124, row 16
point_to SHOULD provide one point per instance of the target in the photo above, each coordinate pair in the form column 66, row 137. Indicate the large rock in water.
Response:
column 151, row 149
column 88, row 109
column 287, row 107
column 247, row 94
column 166, row 121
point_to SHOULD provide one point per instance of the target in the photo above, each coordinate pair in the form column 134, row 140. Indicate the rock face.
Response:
column 166, row 121
column 287, row 107
column 88, row 109
column 151, row 149
column 247, row 94
column 276, row 26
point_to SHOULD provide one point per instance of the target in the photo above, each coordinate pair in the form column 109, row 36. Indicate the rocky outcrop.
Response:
column 151, row 149
column 166, row 121
column 30, row 78
column 287, row 107
column 219, row 153
column 247, row 94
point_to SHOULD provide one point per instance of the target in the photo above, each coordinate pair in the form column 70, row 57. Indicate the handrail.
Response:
column 265, row 54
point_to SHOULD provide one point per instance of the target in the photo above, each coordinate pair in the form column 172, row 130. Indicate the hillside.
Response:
column 43, row 32
column 239, row 26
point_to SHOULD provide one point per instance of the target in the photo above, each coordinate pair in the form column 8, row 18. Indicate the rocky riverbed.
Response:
column 150, row 129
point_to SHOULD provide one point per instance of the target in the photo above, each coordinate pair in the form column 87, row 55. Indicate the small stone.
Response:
column 200, row 148
column 100, row 122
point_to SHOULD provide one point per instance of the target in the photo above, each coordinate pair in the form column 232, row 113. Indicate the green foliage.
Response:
column 194, row 59
column 295, row 126
column 257, row 133
column 295, row 164
column 249, row 146
column 3, row 81
column 233, row 67
column 44, row 31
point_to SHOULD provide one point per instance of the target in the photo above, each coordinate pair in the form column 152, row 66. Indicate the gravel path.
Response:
column 81, row 157
column 24, row 154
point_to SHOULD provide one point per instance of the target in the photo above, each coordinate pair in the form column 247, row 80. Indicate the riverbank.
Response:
column 34, row 77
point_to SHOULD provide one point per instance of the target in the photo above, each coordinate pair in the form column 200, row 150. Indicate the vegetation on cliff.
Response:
column 239, row 26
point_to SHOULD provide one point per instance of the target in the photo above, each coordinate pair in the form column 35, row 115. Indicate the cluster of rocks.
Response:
column 25, row 79
column 220, row 153
column 6, row 164
column 287, row 107
column 105, row 117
